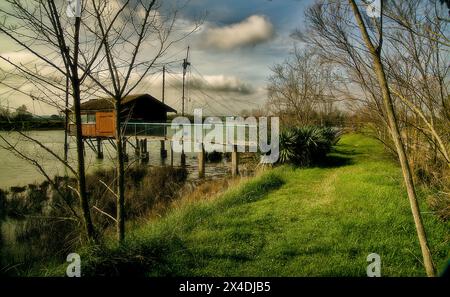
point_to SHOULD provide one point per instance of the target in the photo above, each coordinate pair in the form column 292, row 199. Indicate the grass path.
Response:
column 320, row 221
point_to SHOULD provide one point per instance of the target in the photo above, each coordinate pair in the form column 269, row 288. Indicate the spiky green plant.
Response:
column 306, row 146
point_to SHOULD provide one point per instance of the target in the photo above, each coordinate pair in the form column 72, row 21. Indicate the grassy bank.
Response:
column 321, row 221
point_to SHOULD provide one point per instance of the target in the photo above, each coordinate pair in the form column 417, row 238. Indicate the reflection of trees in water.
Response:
column 41, row 225
column 33, row 240
column 37, row 225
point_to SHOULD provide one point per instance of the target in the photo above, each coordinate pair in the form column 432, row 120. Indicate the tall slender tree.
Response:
column 142, row 33
column 42, row 30
column 375, row 52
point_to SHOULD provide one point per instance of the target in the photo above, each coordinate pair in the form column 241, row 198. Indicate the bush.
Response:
column 146, row 188
column 215, row 157
column 159, row 187
column 3, row 195
column 306, row 146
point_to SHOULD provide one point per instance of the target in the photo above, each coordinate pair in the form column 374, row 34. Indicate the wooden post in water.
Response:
column 234, row 161
column 163, row 150
column 137, row 148
column 171, row 154
column 141, row 150
column 144, row 155
column 183, row 158
column 201, row 162
column 99, row 148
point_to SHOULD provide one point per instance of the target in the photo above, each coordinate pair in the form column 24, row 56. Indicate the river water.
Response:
column 15, row 171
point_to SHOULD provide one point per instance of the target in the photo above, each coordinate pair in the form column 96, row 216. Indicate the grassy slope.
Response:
column 288, row 222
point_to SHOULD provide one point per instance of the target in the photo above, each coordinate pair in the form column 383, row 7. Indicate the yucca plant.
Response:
column 287, row 146
column 305, row 146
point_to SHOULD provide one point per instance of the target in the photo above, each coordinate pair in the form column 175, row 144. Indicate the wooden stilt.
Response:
column 99, row 148
column 144, row 155
column 201, row 162
column 183, row 155
column 235, row 162
column 137, row 148
column 183, row 159
column 163, row 150
column 171, row 154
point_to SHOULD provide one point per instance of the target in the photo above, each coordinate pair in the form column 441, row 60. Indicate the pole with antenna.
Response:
column 163, row 151
column 185, row 65
column 164, row 83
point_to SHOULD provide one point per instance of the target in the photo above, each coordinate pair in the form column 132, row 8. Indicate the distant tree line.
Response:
column 21, row 119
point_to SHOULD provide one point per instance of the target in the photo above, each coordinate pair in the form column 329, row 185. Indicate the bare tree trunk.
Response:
column 120, row 81
column 120, row 215
column 66, row 121
column 394, row 130
column 79, row 139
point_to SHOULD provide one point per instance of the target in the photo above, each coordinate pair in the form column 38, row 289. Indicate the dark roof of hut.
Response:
column 108, row 103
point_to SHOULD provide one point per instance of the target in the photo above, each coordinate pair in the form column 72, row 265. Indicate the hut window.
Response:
column 88, row 118
column 91, row 118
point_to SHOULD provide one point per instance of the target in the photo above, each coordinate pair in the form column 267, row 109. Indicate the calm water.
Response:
column 15, row 171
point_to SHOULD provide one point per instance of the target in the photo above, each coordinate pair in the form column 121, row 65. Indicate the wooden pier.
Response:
column 139, row 144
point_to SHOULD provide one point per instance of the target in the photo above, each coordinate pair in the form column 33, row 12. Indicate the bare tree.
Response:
column 108, row 50
column 419, row 69
column 375, row 52
column 362, row 48
column 300, row 90
column 42, row 30
column 141, row 34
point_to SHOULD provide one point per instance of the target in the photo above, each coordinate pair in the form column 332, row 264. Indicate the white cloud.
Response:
column 19, row 57
column 215, row 84
column 221, row 83
column 251, row 31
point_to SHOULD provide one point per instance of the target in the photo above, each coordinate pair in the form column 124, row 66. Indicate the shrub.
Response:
column 306, row 146
column 146, row 188
column 215, row 157
column 3, row 195
column 159, row 187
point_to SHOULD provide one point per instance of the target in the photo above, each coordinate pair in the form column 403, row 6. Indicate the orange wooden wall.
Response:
column 88, row 130
column 104, row 125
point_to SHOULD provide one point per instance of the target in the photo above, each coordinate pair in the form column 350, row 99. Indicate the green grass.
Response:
column 320, row 221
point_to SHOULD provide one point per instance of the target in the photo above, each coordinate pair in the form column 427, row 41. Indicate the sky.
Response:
column 231, row 55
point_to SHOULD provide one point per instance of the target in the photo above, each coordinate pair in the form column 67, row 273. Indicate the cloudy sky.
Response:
column 231, row 54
